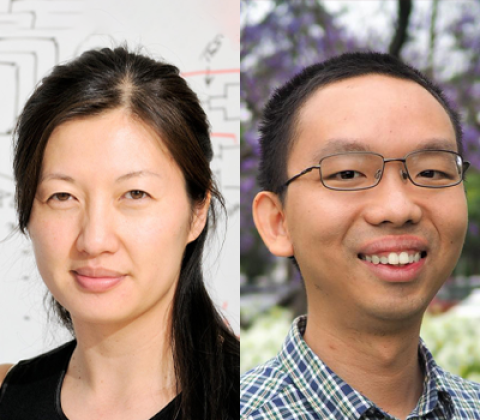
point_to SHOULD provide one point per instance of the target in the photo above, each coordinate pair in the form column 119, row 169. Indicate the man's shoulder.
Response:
column 464, row 391
column 262, row 385
column 269, row 391
column 463, row 394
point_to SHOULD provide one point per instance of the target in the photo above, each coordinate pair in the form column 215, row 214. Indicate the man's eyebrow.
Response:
column 67, row 178
column 341, row 145
column 437, row 144
column 347, row 145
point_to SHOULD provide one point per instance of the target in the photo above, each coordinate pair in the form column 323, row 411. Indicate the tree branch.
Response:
column 401, row 33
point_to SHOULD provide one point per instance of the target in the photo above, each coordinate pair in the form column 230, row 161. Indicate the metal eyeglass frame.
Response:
column 405, row 174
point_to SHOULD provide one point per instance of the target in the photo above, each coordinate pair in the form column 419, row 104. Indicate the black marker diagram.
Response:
column 6, row 192
column 31, row 36
column 224, row 93
column 222, row 105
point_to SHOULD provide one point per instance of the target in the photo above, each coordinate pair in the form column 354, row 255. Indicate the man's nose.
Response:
column 97, row 233
column 394, row 201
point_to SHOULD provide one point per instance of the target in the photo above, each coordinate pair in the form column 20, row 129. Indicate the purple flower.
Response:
column 473, row 229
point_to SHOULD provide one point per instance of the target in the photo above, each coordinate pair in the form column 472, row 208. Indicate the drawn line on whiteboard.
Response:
column 65, row 13
column 225, row 135
column 217, row 102
column 6, row 177
column 16, row 19
column 16, row 98
column 224, row 147
column 48, row 39
column 27, row 53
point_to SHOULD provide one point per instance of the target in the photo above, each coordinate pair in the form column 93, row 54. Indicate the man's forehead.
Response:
column 359, row 113
column 359, row 89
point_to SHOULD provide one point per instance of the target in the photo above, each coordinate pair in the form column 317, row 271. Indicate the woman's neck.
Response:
column 127, row 364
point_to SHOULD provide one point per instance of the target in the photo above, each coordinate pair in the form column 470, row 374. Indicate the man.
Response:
column 362, row 176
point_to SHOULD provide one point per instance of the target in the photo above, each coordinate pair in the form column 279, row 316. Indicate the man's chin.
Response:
column 395, row 316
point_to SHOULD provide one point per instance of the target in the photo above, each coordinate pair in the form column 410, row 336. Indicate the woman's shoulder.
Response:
column 4, row 369
column 39, row 366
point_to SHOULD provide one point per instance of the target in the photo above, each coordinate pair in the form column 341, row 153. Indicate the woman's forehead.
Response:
column 109, row 141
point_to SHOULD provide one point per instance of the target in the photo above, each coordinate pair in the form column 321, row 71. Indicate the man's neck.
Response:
column 384, row 368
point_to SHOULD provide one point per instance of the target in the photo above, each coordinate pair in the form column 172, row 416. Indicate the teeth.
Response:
column 403, row 258
column 394, row 258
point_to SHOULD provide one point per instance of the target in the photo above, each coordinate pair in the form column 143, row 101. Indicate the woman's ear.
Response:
column 269, row 218
column 199, row 218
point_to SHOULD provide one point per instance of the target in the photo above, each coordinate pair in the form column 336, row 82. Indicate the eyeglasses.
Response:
column 354, row 171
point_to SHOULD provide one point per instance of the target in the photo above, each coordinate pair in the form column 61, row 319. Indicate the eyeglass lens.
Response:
column 427, row 168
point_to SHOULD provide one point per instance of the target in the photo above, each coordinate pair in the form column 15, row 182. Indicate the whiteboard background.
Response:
column 202, row 38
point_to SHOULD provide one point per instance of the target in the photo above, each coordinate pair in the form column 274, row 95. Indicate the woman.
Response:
column 115, row 191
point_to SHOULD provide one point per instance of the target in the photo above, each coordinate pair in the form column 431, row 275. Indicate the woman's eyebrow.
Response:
column 136, row 174
column 58, row 176
column 67, row 178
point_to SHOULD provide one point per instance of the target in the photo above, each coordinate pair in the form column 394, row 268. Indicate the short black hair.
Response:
column 281, row 113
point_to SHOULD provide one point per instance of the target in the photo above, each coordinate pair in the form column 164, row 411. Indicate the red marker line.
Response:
column 226, row 135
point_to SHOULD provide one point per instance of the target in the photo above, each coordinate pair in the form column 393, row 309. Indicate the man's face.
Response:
column 331, row 232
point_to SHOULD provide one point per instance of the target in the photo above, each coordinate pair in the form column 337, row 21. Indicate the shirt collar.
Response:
column 321, row 386
column 436, row 386
column 317, row 382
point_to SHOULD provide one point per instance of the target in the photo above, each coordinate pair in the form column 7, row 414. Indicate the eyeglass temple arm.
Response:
column 465, row 166
column 305, row 171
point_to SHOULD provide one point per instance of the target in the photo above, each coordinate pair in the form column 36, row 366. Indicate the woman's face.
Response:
column 111, row 219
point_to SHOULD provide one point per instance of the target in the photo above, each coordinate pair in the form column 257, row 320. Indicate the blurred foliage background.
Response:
column 278, row 39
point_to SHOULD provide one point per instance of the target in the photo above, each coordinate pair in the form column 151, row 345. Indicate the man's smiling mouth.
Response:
column 394, row 258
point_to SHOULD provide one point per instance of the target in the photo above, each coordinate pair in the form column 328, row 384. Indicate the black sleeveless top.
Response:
column 31, row 390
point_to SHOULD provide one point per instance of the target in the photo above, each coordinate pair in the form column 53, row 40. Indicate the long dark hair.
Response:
column 205, row 351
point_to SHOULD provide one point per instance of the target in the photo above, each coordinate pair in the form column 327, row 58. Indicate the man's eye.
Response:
column 433, row 174
column 61, row 197
column 136, row 195
column 345, row 175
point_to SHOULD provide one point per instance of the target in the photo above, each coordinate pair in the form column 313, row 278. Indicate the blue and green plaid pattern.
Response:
column 298, row 385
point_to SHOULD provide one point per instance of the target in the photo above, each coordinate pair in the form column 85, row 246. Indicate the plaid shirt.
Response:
column 298, row 385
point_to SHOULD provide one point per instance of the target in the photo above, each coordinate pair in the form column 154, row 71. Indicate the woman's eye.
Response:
column 61, row 197
column 136, row 195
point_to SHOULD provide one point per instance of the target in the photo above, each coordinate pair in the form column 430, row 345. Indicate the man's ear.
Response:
column 269, row 217
column 199, row 218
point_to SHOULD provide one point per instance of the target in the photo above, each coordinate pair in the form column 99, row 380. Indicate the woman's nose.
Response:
column 97, row 233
